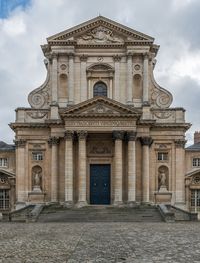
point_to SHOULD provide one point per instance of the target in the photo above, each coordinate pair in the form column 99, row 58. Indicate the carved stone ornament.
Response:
column 100, row 108
column 69, row 135
column 40, row 97
column 117, row 58
column 146, row 140
column 164, row 114
column 160, row 98
column 100, row 148
column 180, row 143
column 63, row 67
column 37, row 114
column 137, row 67
column 118, row 135
column 99, row 35
column 82, row 135
column 20, row 143
column 3, row 180
column 53, row 140
column 131, row 136
column 196, row 179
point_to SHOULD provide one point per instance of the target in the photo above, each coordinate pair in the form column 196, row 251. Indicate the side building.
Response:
column 100, row 130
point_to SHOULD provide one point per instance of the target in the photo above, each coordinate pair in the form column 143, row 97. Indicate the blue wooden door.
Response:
column 100, row 184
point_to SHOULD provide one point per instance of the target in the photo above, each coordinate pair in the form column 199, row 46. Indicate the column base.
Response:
column 132, row 204
column 81, row 204
column 68, row 204
column 118, row 204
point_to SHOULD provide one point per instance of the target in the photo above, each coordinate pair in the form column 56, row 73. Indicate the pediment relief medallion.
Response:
column 101, row 109
column 196, row 180
column 164, row 114
column 100, row 35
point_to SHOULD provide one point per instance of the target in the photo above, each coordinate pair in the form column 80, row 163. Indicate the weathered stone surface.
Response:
column 110, row 242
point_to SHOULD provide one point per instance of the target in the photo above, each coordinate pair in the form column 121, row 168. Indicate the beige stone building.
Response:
column 100, row 130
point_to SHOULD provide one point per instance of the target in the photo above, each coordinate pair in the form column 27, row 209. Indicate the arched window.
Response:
column 100, row 89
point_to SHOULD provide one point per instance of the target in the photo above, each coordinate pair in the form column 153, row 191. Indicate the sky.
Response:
column 25, row 25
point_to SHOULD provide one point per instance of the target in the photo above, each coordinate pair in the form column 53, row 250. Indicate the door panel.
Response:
column 100, row 184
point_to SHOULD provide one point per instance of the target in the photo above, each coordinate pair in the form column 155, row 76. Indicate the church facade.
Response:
column 100, row 130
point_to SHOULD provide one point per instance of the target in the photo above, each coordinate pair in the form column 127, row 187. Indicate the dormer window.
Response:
column 100, row 89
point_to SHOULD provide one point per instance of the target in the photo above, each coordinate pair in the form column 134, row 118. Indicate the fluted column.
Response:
column 131, row 136
column 53, row 142
column 180, row 170
column 146, row 143
column 21, row 178
column 69, row 135
column 129, row 87
column 71, row 78
column 117, row 59
column 82, row 135
column 146, row 79
column 118, row 136
column 84, row 91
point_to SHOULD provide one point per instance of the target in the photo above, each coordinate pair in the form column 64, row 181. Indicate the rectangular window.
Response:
column 162, row 156
column 196, row 162
column 195, row 200
column 37, row 156
column 4, row 199
column 3, row 162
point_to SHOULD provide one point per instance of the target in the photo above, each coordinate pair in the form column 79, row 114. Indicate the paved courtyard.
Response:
column 99, row 242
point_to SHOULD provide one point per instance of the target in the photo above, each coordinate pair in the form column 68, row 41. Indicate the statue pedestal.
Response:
column 36, row 197
column 163, row 197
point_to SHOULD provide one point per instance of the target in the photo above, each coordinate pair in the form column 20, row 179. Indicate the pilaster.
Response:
column 84, row 91
column 117, row 60
column 71, row 78
column 129, row 86
column 146, row 79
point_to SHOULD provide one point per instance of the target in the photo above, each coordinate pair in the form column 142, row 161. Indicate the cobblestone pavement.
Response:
column 99, row 242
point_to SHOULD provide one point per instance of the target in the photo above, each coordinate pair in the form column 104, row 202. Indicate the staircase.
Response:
column 140, row 213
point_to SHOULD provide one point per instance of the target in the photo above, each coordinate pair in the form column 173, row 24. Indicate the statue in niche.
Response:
column 37, row 178
column 162, row 181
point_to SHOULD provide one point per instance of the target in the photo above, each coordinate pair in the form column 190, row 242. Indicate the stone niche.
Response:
column 162, row 195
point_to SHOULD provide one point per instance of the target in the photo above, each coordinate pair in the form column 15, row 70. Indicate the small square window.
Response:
column 37, row 156
column 162, row 156
column 196, row 162
column 3, row 162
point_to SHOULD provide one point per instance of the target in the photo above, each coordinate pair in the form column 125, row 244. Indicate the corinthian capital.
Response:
column 118, row 135
column 82, row 135
column 53, row 140
column 131, row 135
column 146, row 140
column 20, row 143
column 69, row 135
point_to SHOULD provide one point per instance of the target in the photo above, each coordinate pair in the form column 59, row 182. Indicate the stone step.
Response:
column 102, row 214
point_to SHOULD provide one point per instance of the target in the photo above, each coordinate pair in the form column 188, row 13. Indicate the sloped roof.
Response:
column 194, row 147
column 6, row 147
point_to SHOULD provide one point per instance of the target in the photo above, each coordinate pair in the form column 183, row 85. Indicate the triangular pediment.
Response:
column 100, row 30
column 101, row 107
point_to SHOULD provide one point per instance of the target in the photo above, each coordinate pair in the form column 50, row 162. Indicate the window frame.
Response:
column 162, row 155
column 3, row 162
column 39, row 156
column 97, row 93
column 195, row 162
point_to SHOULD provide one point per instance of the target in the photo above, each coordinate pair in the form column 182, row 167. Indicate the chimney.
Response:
column 196, row 137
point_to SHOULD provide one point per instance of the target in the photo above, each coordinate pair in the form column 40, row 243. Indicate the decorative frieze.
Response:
column 146, row 140
column 20, row 143
column 100, row 123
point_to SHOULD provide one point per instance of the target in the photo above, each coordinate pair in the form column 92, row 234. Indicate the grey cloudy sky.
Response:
column 173, row 23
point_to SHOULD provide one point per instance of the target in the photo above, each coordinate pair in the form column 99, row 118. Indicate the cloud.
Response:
column 173, row 23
